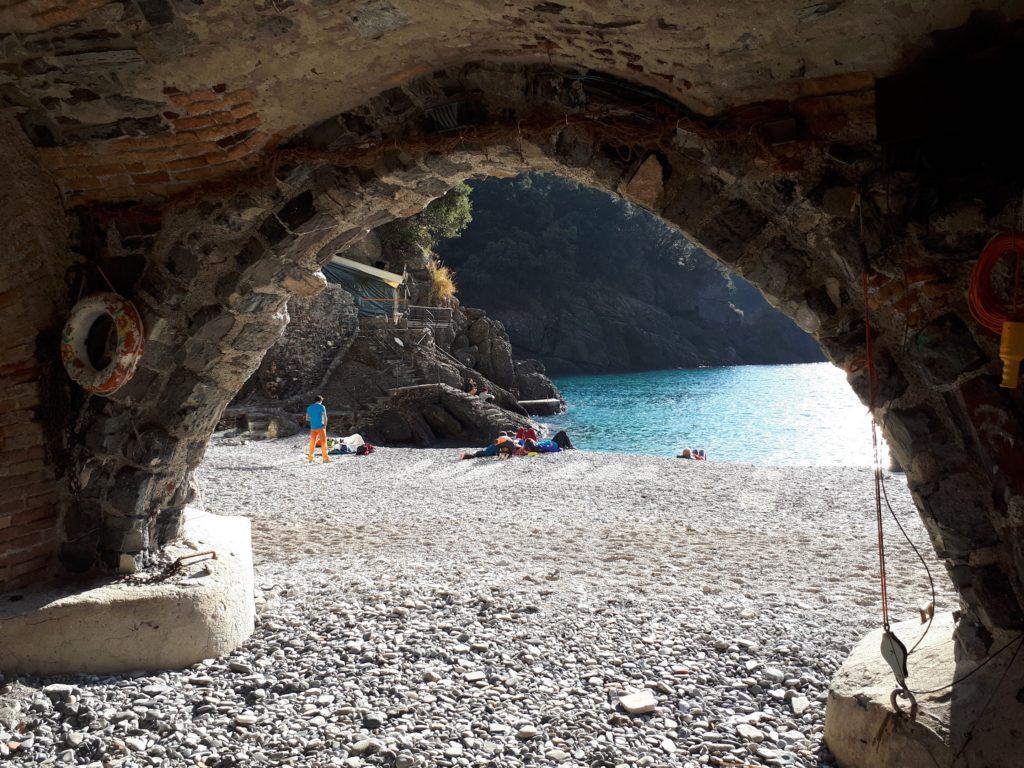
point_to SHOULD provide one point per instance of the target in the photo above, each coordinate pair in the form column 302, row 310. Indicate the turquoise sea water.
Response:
column 757, row 414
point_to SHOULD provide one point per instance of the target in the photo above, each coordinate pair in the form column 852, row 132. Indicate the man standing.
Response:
column 316, row 415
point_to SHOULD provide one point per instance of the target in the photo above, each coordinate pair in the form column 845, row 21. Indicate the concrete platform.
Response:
column 980, row 722
column 205, row 611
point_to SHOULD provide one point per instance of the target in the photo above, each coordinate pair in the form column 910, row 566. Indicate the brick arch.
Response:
column 222, row 265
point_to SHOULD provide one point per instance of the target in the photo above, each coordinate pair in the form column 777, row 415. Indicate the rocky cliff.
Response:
column 586, row 282
column 392, row 381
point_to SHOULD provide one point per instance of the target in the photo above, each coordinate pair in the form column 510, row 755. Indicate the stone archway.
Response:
column 209, row 160
column 785, row 214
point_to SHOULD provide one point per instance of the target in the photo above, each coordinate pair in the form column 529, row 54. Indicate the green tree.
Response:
column 445, row 218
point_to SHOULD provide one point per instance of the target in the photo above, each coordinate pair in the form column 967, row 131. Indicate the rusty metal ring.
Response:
column 904, row 693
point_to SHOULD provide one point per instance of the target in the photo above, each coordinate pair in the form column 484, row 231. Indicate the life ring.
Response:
column 126, row 354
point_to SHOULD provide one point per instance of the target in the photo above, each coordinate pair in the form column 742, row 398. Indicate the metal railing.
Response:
column 428, row 317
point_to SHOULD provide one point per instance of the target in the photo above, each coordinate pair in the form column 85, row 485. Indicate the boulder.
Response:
column 532, row 382
column 427, row 414
column 862, row 731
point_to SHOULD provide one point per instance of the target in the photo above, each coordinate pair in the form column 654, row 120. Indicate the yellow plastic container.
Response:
column 1011, row 352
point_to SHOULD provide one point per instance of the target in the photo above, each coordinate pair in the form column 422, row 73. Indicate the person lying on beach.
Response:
column 528, row 448
column 490, row 450
column 696, row 454
column 503, row 447
column 562, row 439
column 506, row 446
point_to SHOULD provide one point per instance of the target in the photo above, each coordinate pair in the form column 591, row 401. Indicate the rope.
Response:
column 872, row 401
column 924, row 563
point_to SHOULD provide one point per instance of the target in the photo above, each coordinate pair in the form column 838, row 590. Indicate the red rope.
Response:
column 872, row 402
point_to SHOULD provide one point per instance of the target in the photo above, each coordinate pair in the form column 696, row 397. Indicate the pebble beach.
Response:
column 576, row 609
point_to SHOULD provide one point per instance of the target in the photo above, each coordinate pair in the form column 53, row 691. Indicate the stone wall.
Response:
column 320, row 331
column 141, row 100
column 212, row 294
column 33, row 257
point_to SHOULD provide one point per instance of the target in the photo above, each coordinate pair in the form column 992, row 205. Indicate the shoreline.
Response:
column 792, row 415
column 446, row 445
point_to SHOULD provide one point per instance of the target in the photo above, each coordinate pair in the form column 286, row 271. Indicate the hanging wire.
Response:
column 872, row 402
column 881, row 493
column 956, row 681
column 924, row 563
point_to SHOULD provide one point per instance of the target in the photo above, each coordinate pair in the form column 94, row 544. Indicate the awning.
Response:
column 381, row 274
column 375, row 289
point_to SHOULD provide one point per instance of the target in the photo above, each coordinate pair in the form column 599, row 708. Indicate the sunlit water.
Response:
column 757, row 414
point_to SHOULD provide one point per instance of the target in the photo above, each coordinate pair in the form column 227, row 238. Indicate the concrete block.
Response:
column 204, row 611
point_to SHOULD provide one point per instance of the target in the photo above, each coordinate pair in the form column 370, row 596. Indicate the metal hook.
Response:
column 904, row 693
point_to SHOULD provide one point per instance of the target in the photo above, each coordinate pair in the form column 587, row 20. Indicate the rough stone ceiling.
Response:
column 236, row 74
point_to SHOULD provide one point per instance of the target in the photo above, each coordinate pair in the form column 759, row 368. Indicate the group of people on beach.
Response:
column 525, row 443
column 695, row 454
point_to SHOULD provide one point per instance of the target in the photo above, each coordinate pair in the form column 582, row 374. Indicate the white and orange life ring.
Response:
column 126, row 354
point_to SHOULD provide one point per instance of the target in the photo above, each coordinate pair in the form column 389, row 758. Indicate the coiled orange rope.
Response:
column 987, row 308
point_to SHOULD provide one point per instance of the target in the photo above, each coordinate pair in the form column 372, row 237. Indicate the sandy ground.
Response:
column 740, row 576
column 593, row 524
column 421, row 612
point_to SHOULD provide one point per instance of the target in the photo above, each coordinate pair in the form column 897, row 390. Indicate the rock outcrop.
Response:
column 533, row 383
column 426, row 414
column 320, row 331
column 358, row 363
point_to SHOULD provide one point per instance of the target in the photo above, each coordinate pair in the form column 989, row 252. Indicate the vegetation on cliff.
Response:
column 446, row 217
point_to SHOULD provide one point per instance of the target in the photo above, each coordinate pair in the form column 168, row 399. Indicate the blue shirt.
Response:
column 317, row 416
